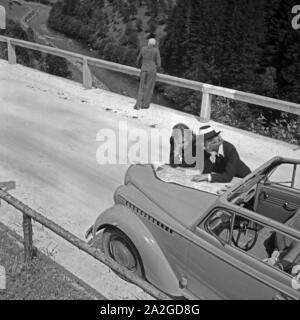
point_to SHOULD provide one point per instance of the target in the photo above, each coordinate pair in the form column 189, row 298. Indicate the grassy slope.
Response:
column 16, row 12
column 41, row 280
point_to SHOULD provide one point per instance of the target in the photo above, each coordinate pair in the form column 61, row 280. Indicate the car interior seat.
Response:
column 290, row 247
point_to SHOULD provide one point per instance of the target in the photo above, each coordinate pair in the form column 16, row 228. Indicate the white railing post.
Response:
column 87, row 76
column 206, row 105
column 11, row 52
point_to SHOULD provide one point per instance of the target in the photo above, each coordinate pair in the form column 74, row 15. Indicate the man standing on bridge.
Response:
column 149, row 60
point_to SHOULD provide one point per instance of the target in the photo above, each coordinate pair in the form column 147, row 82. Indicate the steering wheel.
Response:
column 246, row 236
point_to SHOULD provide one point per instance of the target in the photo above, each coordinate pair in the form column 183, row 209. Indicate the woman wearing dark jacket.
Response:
column 180, row 145
column 186, row 150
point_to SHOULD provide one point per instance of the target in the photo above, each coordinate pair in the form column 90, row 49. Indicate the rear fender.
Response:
column 157, row 268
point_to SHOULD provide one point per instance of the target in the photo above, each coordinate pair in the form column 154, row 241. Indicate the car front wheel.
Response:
column 120, row 248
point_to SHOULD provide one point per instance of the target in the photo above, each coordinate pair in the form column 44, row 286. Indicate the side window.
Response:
column 270, row 246
column 219, row 224
column 257, row 240
column 287, row 175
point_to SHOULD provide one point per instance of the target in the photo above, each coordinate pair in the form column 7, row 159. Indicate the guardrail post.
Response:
column 11, row 51
column 27, row 230
column 205, row 106
column 87, row 75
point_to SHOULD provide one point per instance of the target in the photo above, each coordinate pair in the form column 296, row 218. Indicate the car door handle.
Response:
column 264, row 195
column 288, row 208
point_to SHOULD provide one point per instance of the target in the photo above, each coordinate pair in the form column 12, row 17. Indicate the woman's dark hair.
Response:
column 181, row 127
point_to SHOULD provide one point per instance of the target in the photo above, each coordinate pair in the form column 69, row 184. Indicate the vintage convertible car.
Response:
column 200, row 244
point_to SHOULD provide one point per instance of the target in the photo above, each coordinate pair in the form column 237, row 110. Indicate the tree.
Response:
column 116, row 53
column 172, row 49
column 108, row 49
column 139, row 24
column 281, row 49
column 57, row 66
column 130, row 37
column 130, row 56
column 24, row 56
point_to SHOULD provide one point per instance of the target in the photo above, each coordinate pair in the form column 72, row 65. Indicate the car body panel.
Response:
column 280, row 204
column 211, row 267
column 181, row 203
column 166, row 222
column 223, row 272
column 157, row 267
column 263, row 169
column 130, row 196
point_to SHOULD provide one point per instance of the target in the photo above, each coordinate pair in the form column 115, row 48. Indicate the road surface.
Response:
column 48, row 146
column 48, row 129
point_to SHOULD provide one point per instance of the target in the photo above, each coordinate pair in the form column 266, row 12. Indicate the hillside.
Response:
column 115, row 28
column 16, row 12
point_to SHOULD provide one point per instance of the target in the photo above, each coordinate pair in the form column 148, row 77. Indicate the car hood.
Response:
column 185, row 205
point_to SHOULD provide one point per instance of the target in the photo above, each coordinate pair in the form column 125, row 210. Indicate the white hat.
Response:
column 208, row 132
column 152, row 42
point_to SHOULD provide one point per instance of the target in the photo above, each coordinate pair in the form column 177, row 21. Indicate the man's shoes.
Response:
column 137, row 107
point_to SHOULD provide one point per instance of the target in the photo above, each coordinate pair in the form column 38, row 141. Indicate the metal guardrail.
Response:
column 30, row 214
column 207, row 90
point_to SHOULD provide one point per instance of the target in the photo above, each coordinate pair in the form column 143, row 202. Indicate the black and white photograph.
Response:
column 149, row 153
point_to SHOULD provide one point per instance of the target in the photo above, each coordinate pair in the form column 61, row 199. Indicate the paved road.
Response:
column 48, row 146
column 54, row 143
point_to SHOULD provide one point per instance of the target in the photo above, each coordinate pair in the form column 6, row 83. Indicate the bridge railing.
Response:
column 30, row 214
column 208, row 91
